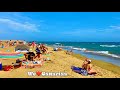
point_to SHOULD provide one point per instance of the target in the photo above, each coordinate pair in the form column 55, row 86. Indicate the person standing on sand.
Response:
column 33, row 44
column 38, row 52
column 7, row 43
column 17, row 42
column 2, row 45
column 10, row 43
column 0, row 42
column 24, row 42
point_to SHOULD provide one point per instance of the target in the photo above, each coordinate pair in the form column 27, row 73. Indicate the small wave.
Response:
column 99, row 52
column 82, row 49
column 57, row 43
column 104, row 53
column 110, row 45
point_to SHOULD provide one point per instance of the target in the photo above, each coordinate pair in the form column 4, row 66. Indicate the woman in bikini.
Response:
column 88, row 66
column 90, row 69
column 38, row 52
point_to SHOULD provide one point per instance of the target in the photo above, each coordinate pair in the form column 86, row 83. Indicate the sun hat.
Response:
column 90, row 60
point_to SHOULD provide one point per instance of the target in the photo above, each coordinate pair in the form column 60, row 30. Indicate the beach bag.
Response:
column 8, row 68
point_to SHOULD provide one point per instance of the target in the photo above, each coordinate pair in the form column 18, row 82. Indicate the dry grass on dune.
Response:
column 60, row 63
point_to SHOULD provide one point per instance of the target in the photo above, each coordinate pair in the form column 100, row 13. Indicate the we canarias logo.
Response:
column 39, row 73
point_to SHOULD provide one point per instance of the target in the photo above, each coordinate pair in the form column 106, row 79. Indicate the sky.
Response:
column 60, row 26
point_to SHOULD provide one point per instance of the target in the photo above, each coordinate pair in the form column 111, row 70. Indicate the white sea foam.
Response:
column 104, row 53
column 110, row 45
column 82, row 49
column 99, row 52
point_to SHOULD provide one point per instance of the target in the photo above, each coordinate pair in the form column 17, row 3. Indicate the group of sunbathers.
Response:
column 40, row 50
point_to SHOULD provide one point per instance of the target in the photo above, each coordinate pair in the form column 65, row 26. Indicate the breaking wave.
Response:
column 110, row 45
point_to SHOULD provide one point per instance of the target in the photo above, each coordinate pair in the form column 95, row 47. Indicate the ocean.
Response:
column 106, row 51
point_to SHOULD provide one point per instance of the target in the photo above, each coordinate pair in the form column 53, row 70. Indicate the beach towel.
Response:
column 8, row 68
column 0, row 66
column 79, row 70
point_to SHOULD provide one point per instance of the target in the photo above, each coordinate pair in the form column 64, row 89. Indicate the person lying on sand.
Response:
column 57, row 49
column 69, row 52
column 29, row 56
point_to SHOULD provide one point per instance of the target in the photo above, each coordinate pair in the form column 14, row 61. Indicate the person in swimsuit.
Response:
column 43, row 48
column 33, row 44
column 90, row 69
column 38, row 52
column 88, row 66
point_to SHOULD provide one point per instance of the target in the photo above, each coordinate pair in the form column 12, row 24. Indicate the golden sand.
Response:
column 61, row 62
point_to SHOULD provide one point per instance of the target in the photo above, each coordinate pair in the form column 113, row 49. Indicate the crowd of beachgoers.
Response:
column 38, row 54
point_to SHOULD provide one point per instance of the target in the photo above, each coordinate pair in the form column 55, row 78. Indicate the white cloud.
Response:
column 115, row 27
column 19, row 26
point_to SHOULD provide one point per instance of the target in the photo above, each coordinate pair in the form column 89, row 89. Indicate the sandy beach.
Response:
column 60, row 62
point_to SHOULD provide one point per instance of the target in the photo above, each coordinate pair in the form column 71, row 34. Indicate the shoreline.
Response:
column 100, row 63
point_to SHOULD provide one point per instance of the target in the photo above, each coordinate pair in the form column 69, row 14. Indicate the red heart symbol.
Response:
column 38, row 73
